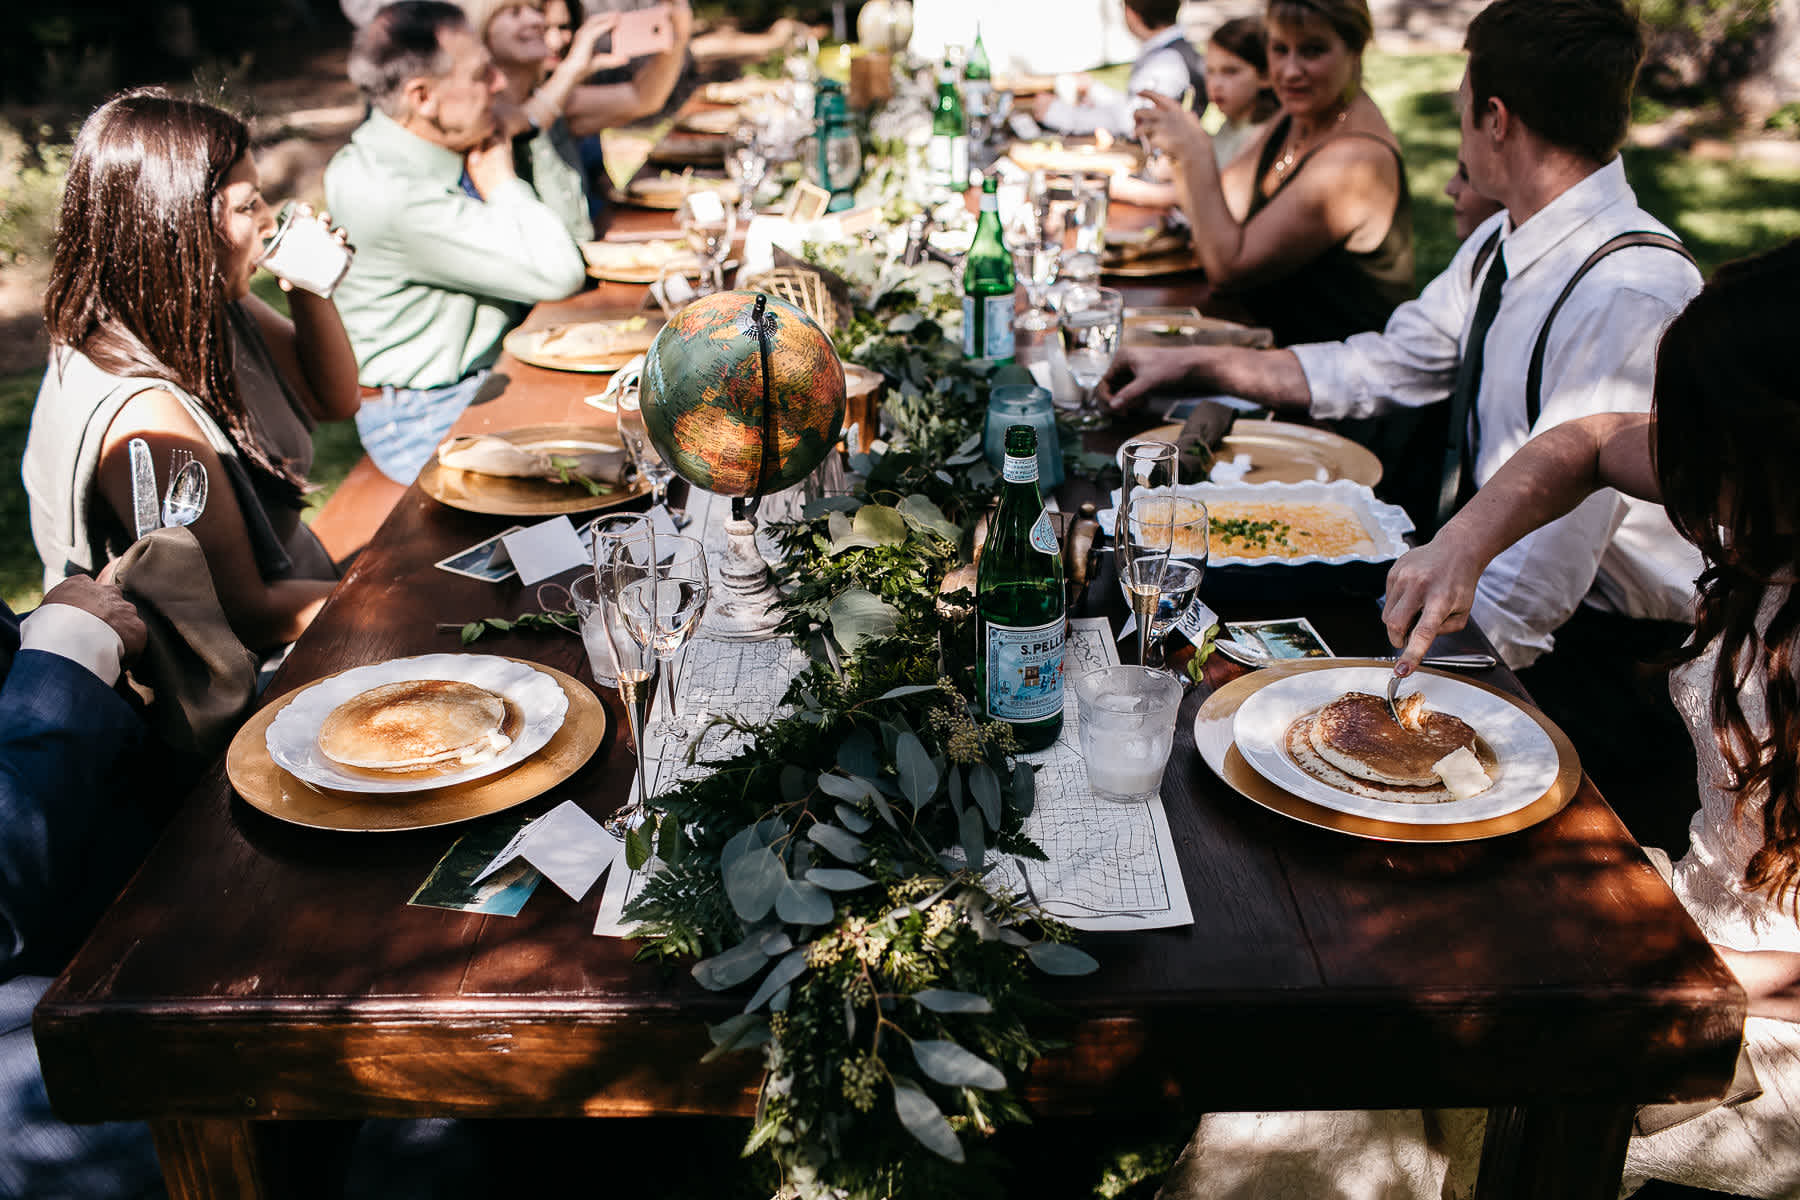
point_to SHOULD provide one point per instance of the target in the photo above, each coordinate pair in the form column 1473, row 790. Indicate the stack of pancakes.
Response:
column 415, row 724
column 1354, row 744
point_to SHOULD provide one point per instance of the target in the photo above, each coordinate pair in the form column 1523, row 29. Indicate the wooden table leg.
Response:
column 210, row 1160
column 1565, row 1152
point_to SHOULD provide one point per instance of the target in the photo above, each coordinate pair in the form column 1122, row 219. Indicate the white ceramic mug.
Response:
column 305, row 253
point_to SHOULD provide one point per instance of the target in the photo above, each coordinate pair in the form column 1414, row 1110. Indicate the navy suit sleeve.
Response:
column 62, row 736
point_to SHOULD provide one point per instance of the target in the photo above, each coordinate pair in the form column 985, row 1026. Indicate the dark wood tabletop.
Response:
column 255, row 970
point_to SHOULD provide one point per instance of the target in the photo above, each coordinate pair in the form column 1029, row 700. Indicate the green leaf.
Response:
column 852, row 820
column 803, row 903
column 857, row 613
column 814, row 509
column 906, row 322
column 921, row 513
column 668, row 837
column 857, row 754
column 740, row 844
column 838, row 879
column 742, row 1032
column 945, row 1001
column 910, row 689
column 1055, row 958
column 918, row 774
column 968, row 452
column 784, row 973
column 844, row 535
column 985, row 785
column 949, row 1063
column 638, row 847
column 841, row 788
column 753, row 881
column 499, row 623
column 885, row 525
column 1024, row 788
column 472, row 632
column 972, row 844
column 730, row 968
column 924, row 1120
column 955, row 790
column 838, row 842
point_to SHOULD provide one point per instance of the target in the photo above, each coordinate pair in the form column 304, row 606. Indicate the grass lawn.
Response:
column 1722, row 211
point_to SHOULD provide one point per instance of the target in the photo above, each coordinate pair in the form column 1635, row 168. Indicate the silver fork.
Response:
column 1393, row 690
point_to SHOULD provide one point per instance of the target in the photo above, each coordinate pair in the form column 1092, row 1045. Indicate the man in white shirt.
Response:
column 1167, row 64
column 1545, row 104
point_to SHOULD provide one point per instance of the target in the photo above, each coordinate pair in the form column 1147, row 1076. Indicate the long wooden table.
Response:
column 255, row 971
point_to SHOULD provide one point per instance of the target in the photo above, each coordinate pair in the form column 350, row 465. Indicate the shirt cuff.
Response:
column 77, row 635
column 1333, row 388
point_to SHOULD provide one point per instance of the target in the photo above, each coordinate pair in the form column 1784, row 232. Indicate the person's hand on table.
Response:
column 1168, row 127
column 1429, row 591
column 1141, row 370
column 102, row 598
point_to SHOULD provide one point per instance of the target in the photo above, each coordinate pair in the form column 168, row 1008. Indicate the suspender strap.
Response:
column 1534, row 376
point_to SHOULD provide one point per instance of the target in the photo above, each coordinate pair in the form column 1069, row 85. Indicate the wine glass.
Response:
column 645, row 457
column 661, row 597
column 1035, row 263
column 709, row 224
column 747, row 163
column 1090, row 322
column 1179, row 582
column 631, row 661
column 1092, row 198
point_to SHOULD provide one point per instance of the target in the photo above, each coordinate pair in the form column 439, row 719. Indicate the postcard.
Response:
column 486, row 560
column 453, row 883
column 1290, row 637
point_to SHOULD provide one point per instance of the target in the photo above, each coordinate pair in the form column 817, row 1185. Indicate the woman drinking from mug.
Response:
column 154, row 335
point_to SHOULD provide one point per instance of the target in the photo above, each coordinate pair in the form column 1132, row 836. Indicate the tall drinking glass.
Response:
column 1179, row 580
column 747, row 162
column 1091, row 320
column 661, row 600
column 633, row 540
column 708, row 223
column 1146, row 532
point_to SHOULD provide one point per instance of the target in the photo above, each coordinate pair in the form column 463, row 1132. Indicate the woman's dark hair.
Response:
column 1349, row 19
column 1564, row 67
column 136, row 283
column 1157, row 14
column 1727, row 417
column 1248, row 39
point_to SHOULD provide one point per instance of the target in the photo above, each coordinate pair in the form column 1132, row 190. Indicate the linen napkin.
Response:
column 489, row 455
column 196, row 678
column 1200, row 436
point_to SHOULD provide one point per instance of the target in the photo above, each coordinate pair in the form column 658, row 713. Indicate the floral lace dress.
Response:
column 1748, row 1149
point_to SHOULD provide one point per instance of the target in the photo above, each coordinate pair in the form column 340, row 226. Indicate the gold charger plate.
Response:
column 1033, row 156
column 1285, row 453
column 527, row 345
column 1213, row 737
column 267, row 787
column 1171, row 263
column 604, row 260
column 511, row 496
column 664, row 195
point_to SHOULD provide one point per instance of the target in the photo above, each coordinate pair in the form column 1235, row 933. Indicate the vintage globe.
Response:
column 709, row 409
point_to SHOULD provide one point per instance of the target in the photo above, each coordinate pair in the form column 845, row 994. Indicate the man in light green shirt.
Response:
column 451, row 246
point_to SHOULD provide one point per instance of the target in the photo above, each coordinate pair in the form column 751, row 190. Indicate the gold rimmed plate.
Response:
column 1172, row 262
column 269, row 789
column 511, row 496
column 589, row 347
column 664, row 191
column 1281, row 452
column 641, row 260
column 1213, row 737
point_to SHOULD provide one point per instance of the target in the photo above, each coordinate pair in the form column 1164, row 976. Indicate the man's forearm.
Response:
column 1271, row 377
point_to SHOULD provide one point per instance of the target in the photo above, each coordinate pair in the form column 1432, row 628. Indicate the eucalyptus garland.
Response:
column 837, row 870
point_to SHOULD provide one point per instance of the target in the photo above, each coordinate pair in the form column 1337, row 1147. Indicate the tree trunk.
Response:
column 1774, row 79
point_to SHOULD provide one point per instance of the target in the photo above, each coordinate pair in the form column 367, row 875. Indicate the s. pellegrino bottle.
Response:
column 1019, row 605
column 947, row 154
column 988, row 284
column 978, row 79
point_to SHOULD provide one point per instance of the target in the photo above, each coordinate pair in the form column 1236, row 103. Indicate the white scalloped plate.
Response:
column 1387, row 524
column 293, row 738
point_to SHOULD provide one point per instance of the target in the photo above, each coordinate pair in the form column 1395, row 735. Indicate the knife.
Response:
column 145, row 506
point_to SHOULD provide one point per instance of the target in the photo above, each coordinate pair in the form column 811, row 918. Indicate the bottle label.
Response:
column 1024, row 671
column 1020, row 470
column 992, row 335
column 1043, row 533
column 947, row 159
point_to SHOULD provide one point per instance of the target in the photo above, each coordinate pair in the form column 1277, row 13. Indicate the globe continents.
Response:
column 706, row 405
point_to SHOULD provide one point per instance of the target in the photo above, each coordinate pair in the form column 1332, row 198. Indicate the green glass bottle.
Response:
column 978, row 79
column 1019, row 605
column 988, row 284
column 947, row 154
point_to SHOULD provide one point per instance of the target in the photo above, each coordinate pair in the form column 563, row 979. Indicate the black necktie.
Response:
column 1457, row 482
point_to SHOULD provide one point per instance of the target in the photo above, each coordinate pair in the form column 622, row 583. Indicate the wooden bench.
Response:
column 356, row 510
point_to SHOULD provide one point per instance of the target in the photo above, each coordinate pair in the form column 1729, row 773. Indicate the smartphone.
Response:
column 644, row 31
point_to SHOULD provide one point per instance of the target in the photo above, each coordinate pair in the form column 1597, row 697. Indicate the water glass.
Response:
column 1127, row 723
column 1092, row 198
column 747, row 163
column 1035, row 265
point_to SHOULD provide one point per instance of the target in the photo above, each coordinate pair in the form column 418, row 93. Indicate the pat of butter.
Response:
column 1462, row 774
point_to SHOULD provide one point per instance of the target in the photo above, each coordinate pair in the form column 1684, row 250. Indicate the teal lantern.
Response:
column 836, row 161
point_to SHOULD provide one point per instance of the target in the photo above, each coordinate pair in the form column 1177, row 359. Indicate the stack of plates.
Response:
column 1240, row 732
column 276, row 765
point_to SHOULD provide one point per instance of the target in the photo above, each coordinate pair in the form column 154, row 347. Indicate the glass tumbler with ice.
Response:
column 1127, row 722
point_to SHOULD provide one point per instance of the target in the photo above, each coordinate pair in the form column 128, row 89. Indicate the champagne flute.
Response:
column 645, row 457
column 1090, row 322
column 661, row 600
column 631, row 661
column 1146, row 532
column 708, row 223
column 747, row 163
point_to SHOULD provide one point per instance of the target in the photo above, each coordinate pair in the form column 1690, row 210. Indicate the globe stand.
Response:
column 746, row 610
